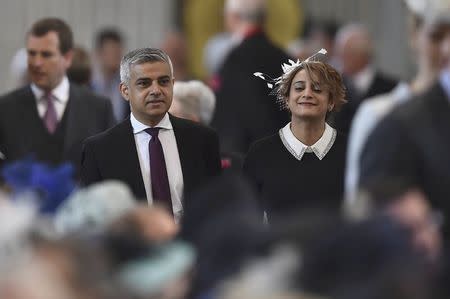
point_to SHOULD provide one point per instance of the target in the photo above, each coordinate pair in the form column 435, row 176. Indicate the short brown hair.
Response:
column 65, row 35
column 328, row 77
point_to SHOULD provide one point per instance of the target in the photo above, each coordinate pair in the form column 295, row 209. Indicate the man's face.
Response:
column 442, row 32
column 149, row 91
column 46, row 64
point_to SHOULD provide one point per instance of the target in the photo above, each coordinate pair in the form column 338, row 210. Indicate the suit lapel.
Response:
column 126, row 158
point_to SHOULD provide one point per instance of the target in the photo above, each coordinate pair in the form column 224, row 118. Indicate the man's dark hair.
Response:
column 65, row 35
column 108, row 34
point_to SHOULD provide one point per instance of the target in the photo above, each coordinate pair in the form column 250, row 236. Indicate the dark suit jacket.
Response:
column 86, row 114
column 113, row 155
column 413, row 144
column 245, row 110
column 380, row 84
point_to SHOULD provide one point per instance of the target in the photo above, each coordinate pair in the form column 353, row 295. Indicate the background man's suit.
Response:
column 22, row 131
column 381, row 84
column 113, row 155
column 413, row 144
column 245, row 111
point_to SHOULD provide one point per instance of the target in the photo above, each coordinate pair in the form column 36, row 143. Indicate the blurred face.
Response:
column 413, row 210
column 352, row 60
column 110, row 55
column 149, row 91
column 308, row 100
column 441, row 33
column 429, row 41
column 46, row 64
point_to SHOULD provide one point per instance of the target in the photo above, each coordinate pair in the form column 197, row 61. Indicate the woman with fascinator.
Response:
column 302, row 166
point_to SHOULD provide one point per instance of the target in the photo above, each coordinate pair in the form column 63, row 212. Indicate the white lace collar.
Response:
column 297, row 148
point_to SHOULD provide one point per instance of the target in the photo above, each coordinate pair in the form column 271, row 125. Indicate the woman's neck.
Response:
column 308, row 132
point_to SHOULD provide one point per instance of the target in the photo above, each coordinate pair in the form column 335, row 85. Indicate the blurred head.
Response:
column 174, row 44
column 354, row 48
column 193, row 100
column 323, row 35
column 403, row 201
column 80, row 70
column 147, row 80
column 19, row 68
column 312, row 90
column 49, row 47
column 425, row 43
column 437, row 22
column 109, row 46
column 239, row 12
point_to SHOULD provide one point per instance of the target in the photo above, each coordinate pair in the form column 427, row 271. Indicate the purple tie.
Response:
column 50, row 119
column 158, row 171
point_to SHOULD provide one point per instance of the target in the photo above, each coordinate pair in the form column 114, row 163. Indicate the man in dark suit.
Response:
column 109, row 49
column 354, row 48
column 413, row 142
column 50, row 117
column 152, row 150
column 245, row 111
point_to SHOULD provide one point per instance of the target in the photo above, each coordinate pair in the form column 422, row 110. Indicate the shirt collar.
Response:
column 363, row 79
column 139, row 127
column 297, row 148
column 444, row 79
column 60, row 92
column 401, row 93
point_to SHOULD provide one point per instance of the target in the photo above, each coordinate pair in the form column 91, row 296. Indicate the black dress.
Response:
column 286, row 184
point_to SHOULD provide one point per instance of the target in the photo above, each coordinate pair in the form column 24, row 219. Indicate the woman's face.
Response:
column 307, row 100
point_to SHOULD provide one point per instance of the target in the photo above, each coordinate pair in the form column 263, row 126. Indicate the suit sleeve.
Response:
column 389, row 154
column 89, row 169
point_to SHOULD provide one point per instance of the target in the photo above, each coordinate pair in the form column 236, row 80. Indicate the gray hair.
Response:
column 253, row 11
column 140, row 56
column 196, row 98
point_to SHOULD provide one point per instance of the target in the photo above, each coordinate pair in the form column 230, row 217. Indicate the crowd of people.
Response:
column 290, row 173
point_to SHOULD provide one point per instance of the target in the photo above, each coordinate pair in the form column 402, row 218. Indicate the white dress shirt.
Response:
column 60, row 93
column 173, row 165
column 298, row 149
column 362, row 80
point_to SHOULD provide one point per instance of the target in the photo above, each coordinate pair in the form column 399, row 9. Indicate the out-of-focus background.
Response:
column 146, row 22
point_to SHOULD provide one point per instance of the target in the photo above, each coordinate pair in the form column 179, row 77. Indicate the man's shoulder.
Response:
column 84, row 94
column 12, row 96
column 110, row 136
column 266, row 144
column 256, row 48
column 185, row 124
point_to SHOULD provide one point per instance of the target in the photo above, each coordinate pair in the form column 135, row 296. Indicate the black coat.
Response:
column 245, row 112
column 113, row 155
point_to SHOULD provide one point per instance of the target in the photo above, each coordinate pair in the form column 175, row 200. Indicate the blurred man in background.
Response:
column 412, row 142
column 245, row 111
column 355, row 56
column 109, row 49
column 50, row 117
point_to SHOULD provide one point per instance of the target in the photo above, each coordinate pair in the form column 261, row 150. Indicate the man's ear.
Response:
column 124, row 91
column 68, row 57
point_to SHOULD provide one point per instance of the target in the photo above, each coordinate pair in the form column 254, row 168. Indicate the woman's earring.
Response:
column 330, row 108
